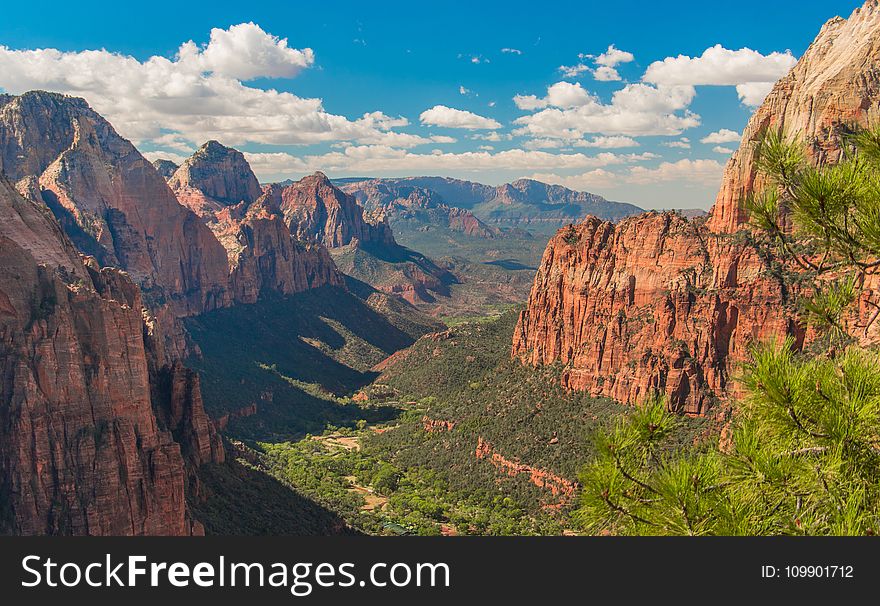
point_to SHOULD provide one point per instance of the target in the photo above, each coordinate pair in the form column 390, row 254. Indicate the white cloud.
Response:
column 596, row 142
column 614, row 57
column 606, row 74
column 598, row 178
column 754, row 93
column 722, row 150
column 570, row 112
column 705, row 172
column 752, row 73
column 464, row 91
column 163, row 155
column 378, row 158
column 573, row 71
column 682, row 143
column 725, row 135
column 511, row 51
column 199, row 94
column 610, row 142
column 493, row 137
column 608, row 61
column 440, row 115
column 245, row 51
column 690, row 174
column 486, row 147
column 529, row 102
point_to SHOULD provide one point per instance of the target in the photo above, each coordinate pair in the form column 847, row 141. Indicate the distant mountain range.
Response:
column 522, row 203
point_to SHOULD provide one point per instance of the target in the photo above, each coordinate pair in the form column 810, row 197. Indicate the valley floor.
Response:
column 449, row 436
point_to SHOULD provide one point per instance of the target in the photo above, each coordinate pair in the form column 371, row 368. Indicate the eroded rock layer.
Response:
column 658, row 302
column 87, row 439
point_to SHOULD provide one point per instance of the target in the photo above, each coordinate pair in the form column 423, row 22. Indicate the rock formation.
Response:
column 166, row 168
column 217, row 183
column 833, row 87
column 110, row 200
column 214, row 177
column 87, row 440
column 658, row 302
column 314, row 209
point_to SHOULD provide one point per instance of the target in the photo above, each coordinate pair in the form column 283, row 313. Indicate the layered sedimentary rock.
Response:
column 314, row 209
column 87, row 439
column 218, row 184
column 110, row 200
column 658, row 302
column 214, row 177
column 653, row 303
column 833, row 88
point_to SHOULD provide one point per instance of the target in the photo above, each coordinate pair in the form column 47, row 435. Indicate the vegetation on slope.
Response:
column 420, row 473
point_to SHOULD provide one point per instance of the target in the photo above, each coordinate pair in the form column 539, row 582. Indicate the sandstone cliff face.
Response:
column 834, row 86
column 217, row 183
column 213, row 177
column 653, row 303
column 657, row 302
column 110, row 200
column 314, row 209
column 82, row 450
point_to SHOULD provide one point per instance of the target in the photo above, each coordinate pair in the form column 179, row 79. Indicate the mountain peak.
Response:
column 221, row 173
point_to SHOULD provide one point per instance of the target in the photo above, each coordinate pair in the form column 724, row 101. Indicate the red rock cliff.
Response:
column 110, row 200
column 218, row 184
column 315, row 209
column 86, row 446
column 657, row 302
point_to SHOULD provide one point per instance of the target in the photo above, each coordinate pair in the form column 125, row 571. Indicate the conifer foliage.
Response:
column 804, row 457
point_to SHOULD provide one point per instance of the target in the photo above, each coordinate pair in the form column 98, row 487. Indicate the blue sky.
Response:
column 357, row 102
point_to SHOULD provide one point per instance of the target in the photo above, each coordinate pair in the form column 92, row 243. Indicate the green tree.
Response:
column 804, row 457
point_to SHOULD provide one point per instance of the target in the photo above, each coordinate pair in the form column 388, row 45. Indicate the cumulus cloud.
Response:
column 592, row 180
column 614, row 57
column 440, row 115
column 704, row 172
column 200, row 93
column 611, row 142
column 378, row 158
column 573, row 71
column 754, row 93
column 596, row 142
column 693, row 174
column 683, row 143
column 725, row 135
column 464, row 91
column 570, row 112
column 722, row 150
column 752, row 73
column 493, row 136
column 606, row 74
column 245, row 52
column 511, row 51
column 608, row 61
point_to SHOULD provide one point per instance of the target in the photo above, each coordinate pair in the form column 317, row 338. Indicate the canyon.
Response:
column 137, row 297
column 657, row 302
